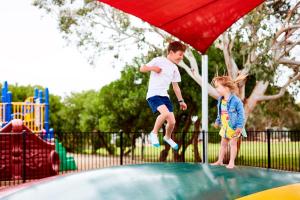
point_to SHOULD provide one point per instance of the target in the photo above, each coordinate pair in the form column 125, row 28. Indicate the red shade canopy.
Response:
column 196, row 22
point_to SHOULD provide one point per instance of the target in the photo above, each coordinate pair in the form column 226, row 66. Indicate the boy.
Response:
column 163, row 72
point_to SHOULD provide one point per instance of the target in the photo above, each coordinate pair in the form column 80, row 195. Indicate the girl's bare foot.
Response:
column 230, row 166
column 216, row 163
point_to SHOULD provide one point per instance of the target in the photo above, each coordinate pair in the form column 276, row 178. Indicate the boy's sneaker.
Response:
column 154, row 139
column 171, row 143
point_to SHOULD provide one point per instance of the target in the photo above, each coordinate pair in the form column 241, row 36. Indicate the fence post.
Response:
column 24, row 157
column 183, row 146
column 203, row 146
column 143, row 144
column 269, row 147
column 132, row 146
column 121, row 147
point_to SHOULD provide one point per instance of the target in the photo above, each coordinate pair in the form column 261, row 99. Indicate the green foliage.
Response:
column 21, row 93
column 80, row 112
column 83, row 11
column 280, row 113
column 55, row 106
column 123, row 104
column 65, row 23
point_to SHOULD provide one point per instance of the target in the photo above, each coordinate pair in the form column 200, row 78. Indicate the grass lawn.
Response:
column 284, row 155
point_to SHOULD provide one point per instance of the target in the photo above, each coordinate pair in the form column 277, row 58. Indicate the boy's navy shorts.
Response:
column 156, row 101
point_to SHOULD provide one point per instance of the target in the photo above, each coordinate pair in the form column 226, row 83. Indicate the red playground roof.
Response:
column 196, row 22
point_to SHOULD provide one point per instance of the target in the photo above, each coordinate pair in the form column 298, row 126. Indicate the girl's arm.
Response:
column 218, row 120
column 240, row 114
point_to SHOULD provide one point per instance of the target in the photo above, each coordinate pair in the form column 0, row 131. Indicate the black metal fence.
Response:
column 92, row 150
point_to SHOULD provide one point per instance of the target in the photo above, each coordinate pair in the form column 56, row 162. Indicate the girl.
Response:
column 230, row 117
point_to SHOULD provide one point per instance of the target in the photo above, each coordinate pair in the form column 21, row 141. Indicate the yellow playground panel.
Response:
column 31, row 113
column 2, row 113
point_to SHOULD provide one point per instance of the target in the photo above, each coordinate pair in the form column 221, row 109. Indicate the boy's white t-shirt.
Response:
column 159, row 83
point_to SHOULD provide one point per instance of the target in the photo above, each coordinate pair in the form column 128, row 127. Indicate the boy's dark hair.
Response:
column 176, row 46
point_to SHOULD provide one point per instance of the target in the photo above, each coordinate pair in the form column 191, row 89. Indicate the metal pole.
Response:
column 183, row 147
column 203, row 146
column 9, row 106
column 121, row 147
column 46, row 118
column 36, row 94
column 24, row 157
column 204, row 70
column 4, row 101
column 269, row 147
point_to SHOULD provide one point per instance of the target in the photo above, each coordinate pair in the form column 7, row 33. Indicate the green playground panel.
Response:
column 66, row 162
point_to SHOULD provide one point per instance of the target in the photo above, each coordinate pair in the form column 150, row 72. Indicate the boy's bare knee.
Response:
column 164, row 115
column 171, row 120
column 171, row 124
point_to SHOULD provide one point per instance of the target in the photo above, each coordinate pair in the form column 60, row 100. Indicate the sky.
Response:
column 32, row 52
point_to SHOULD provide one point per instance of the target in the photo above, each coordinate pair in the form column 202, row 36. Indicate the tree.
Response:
column 123, row 104
column 280, row 113
column 253, row 46
column 76, row 112
column 55, row 120
column 265, row 50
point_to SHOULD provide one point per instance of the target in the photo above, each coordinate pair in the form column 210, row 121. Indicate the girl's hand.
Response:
column 216, row 125
column 156, row 69
column 183, row 106
column 238, row 132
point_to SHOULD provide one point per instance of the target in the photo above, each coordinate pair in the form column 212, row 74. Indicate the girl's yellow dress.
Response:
column 226, row 129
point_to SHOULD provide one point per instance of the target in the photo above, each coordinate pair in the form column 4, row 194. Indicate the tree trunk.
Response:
column 197, row 157
column 188, row 121
column 108, row 147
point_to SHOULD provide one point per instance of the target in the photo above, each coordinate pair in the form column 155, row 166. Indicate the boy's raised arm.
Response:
column 145, row 69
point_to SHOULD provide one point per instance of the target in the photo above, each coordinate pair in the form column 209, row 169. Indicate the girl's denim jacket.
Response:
column 235, row 111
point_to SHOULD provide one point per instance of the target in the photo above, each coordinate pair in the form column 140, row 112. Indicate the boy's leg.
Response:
column 170, row 127
column 158, row 123
column 170, row 124
column 223, row 148
column 233, row 152
column 164, row 112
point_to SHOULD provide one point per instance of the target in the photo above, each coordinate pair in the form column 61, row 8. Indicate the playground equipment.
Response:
column 34, row 112
column 24, row 155
column 26, row 139
column 66, row 162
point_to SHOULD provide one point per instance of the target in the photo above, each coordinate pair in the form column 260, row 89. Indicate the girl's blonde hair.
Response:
column 228, row 82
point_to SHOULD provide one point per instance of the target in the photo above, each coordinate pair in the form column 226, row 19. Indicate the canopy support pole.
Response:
column 204, row 70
